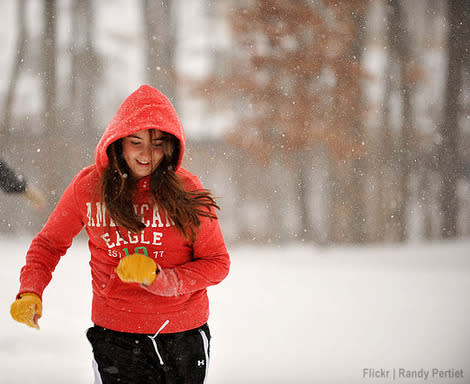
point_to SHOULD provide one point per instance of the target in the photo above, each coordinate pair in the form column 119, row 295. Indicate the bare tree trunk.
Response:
column 426, row 167
column 358, row 175
column 90, row 79
column 385, row 140
column 406, row 134
column 385, row 156
column 275, row 231
column 74, row 51
column 160, row 33
column 303, row 195
column 300, row 158
column 425, row 187
column 339, row 230
column 449, row 157
column 49, row 89
column 17, row 66
column 86, row 70
column 400, row 45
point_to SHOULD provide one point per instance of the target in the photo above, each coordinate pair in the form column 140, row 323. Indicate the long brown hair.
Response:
column 184, row 207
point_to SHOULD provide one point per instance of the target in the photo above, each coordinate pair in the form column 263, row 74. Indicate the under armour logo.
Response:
column 200, row 363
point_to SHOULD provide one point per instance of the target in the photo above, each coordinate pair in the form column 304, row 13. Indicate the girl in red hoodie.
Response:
column 155, row 246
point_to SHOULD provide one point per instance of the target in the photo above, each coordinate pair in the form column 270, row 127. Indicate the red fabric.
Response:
column 179, row 291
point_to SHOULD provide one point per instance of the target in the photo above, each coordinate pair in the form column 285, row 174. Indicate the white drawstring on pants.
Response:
column 155, row 343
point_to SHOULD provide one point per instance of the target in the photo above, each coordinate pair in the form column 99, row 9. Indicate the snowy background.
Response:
column 284, row 315
column 287, row 313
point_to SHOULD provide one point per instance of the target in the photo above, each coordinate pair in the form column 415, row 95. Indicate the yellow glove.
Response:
column 137, row 268
column 27, row 309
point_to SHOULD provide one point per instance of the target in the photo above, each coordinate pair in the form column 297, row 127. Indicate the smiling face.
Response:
column 143, row 151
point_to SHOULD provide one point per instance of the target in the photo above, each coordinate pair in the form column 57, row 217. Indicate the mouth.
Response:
column 143, row 163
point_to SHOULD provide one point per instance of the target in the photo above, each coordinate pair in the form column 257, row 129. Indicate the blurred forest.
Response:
column 320, row 121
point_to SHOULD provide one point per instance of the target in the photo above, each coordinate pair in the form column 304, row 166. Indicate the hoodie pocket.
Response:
column 132, row 297
column 112, row 282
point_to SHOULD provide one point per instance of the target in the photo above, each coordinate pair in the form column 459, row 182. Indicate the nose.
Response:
column 146, row 151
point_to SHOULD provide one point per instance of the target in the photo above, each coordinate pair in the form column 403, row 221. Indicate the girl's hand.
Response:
column 27, row 309
column 35, row 197
column 137, row 268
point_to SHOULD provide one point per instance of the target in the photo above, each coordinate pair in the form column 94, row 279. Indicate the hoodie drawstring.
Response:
column 155, row 343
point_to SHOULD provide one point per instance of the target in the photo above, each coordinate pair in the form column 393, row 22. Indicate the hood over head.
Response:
column 145, row 108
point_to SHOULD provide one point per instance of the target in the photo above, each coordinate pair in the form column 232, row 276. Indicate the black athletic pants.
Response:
column 168, row 358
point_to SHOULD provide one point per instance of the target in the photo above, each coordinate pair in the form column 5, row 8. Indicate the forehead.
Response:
column 155, row 134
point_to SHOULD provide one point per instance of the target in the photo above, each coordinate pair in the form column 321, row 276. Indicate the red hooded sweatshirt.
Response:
column 178, row 294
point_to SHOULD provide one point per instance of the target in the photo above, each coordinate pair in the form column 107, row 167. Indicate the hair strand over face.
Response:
column 184, row 207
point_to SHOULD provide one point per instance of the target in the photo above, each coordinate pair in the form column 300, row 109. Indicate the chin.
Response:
column 140, row 175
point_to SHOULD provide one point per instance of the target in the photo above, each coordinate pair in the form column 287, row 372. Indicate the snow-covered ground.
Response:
column 284, row 315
